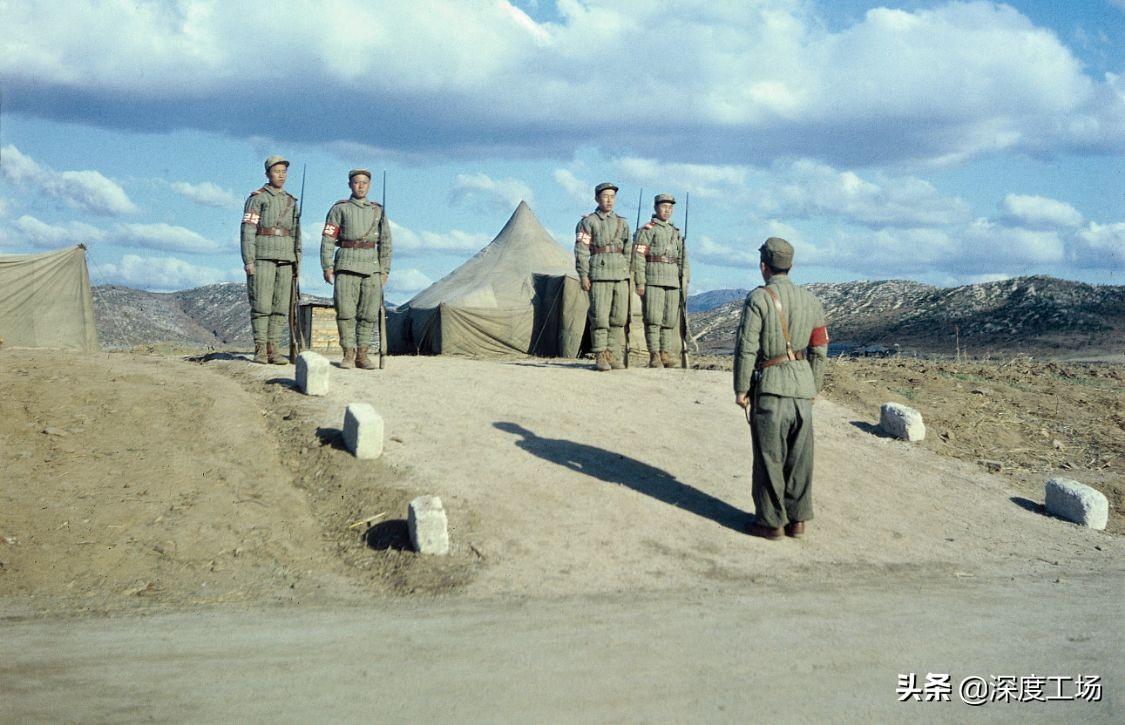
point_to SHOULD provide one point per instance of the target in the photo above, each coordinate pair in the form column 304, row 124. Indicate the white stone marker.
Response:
column 429, row 529
column 312, row 373
column 363, row 430
column 902, row 422
column 1077, row 502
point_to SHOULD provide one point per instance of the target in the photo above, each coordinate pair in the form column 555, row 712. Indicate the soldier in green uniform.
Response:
column 269, row 256
column 355, row 253
column 601, row 256
column 658, row 256
column 779, row 361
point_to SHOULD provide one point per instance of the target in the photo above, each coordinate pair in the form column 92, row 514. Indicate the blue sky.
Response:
column 944, row 142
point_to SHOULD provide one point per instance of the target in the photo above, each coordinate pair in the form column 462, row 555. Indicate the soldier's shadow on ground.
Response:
column 283, row 382
column 620, row 469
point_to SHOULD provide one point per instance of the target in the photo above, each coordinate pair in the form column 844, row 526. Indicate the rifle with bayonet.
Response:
column 685, row 333
column 629, row 279
column 382, row 301
column 296, row 335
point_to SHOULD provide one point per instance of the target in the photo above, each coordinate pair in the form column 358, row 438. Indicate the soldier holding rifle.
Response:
column 355, row 254
column 270, row 253
column 659, row 268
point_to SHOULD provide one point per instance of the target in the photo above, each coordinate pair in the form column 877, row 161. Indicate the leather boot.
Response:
column 601, row 361
column 654, row 360
column 614, row 363
column 260, row 355
column 363, row 362
column 274, row 356
column 668, row 361
column 349, row 358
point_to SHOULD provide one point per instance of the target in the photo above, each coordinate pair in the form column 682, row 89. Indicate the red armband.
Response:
column 819, row 337
column 331, row 230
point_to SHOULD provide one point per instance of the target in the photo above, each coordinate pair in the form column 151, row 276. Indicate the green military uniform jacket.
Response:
column 602, row 248
column 760, row 338
column 269, row 224
column 658, row 252
column 359, row 221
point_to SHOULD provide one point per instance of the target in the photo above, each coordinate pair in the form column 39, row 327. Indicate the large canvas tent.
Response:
column 519, row 295
column 45, row 300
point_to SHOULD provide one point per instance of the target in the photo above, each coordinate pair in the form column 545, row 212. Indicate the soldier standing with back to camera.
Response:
column 355, row 247
column 601, row 257
column 269, row 253
column 779, row 360
column 658, row 254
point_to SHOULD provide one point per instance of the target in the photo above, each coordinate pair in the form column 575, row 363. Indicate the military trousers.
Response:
column 357, row 298
column 609, row 308
column 781, row 429
column 662, row 318
column 269, row 288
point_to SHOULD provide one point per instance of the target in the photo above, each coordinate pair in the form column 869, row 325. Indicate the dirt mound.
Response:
column 140, row 481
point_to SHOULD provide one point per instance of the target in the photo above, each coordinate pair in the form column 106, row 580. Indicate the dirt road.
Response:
column 772, row 655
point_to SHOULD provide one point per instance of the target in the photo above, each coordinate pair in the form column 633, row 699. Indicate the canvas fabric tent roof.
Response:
column 45, row 300
column 518, row 295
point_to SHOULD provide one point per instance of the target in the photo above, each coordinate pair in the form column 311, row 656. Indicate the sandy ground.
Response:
column 151, row 484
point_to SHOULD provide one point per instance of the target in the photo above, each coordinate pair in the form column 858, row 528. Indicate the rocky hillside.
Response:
column 706, row 301
column 1040, row 315
column 217, row 315
column 1028, row 314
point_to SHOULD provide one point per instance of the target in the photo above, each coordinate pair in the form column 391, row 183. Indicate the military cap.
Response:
column 603, row 186
column 663, row 199
column 357, row 172
column 274, row 161
column 777, row 253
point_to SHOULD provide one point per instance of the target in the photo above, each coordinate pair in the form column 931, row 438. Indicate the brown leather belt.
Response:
column 659, row 258
column 610, row 249
column 355, row 244
column 799, row 355
column 274, row 232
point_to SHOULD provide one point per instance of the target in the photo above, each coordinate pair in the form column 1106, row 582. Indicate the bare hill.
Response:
column 1028, row 314
column 217, row 315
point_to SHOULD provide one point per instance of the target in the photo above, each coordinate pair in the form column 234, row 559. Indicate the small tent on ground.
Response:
column 45, row 300
column 520, row 295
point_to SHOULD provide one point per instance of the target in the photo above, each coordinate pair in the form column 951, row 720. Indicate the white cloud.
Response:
column 83, row 190
column 163, row 236
column 578, row 189
column 809, row 188
column 208, row 194
column 1040, row 211
column 162, row 274
column 454, row 241
column 484, row 191
column 36, row 233
column 406, row 283
column 750, row 81
column 703, row 180
column 1101, row 245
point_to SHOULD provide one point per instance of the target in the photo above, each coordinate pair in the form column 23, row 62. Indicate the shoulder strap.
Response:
column 784, row 321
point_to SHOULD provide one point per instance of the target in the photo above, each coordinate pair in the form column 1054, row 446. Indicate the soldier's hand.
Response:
column 249, row 267
column 383, row 277
column 742, row 400
column 640, row 290
column 586, row 284
column 329, row 275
